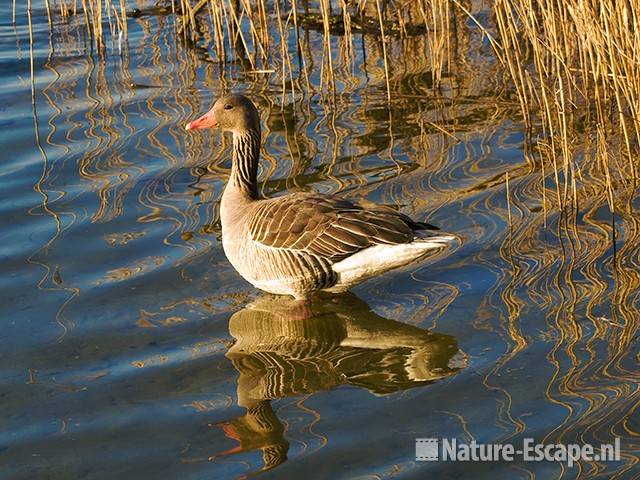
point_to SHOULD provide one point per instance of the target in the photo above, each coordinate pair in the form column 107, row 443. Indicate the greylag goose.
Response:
column 303, row 242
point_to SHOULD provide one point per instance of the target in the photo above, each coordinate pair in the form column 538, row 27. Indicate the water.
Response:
column 132, row 349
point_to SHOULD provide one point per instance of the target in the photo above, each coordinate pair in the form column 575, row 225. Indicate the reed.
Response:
column 571, row 64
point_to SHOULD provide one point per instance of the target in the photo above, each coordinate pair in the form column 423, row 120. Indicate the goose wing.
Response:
column 327, row 227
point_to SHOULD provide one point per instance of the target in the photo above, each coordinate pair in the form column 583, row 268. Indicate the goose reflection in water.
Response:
column 286, row 348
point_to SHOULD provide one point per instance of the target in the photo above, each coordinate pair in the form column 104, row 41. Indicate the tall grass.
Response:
column 571, row 64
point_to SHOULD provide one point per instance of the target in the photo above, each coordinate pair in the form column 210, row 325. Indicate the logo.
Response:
column 427, row 449
column 450, row 450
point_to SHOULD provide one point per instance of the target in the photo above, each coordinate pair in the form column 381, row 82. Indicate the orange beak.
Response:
column 208, row 120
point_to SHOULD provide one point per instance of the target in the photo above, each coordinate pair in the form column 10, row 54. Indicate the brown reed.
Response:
column 570, row 63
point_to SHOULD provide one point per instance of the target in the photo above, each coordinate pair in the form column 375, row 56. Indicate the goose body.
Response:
column 303, row 242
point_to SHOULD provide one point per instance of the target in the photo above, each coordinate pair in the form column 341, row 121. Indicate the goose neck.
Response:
column 244, row 169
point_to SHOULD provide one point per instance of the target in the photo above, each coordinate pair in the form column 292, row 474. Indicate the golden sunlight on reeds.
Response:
column 571, row 64
column 575, row 70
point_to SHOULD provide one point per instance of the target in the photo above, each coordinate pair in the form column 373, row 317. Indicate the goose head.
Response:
column 233, row 113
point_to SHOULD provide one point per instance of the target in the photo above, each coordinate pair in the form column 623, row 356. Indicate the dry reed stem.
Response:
column 384, row 51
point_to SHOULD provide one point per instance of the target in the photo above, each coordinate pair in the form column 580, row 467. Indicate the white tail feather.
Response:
column 375, row 260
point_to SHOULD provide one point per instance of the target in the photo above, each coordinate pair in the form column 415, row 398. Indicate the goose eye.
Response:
column 228, row 106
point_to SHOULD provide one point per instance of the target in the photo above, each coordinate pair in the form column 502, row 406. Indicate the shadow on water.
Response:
column 285, row 348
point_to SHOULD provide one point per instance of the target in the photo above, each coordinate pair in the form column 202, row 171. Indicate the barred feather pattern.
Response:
column 328, row 227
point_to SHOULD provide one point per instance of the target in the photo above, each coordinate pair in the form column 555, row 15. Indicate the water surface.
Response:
column 132, row 349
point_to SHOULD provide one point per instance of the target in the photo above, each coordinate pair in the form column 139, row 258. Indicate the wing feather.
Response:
column 328, row 228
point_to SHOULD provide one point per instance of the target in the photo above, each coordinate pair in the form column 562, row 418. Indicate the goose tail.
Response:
column 378, row 259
